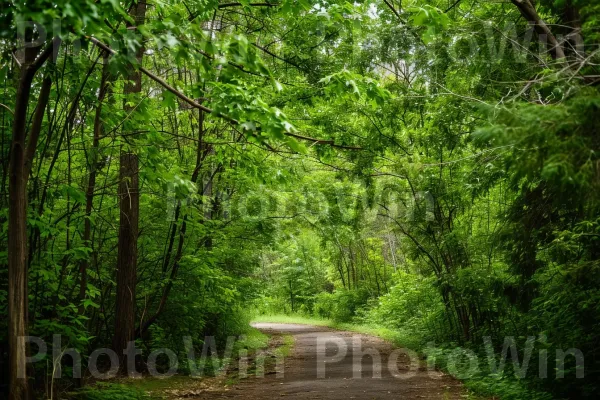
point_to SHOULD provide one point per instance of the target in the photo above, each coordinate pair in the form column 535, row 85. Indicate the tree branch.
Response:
column 199, row 106
column 529, row 12
column 452, row 6
column 228, row 5
column 48, row 51
column 391, row 7
column 36, row 124
column 276, row 56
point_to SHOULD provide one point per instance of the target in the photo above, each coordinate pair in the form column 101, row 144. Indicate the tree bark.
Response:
column 20, row 164
column 128, row 193
column 529, row 12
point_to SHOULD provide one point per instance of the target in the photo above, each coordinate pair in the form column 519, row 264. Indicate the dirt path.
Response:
column 317, row 368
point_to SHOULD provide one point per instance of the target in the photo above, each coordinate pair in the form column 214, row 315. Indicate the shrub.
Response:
column 341, row 305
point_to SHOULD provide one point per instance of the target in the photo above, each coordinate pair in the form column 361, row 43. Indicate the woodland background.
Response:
column 429, row 167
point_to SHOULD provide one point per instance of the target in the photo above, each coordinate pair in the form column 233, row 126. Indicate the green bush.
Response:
column 412, row 304
column 269, row 305
column 341, row 305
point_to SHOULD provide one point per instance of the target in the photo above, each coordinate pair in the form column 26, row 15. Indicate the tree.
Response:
column 21, row 158
column 127, row 259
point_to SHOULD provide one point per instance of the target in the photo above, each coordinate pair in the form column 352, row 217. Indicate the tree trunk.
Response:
column 20, row 164
column 129, row 218
column 17, row 252
column 127, row 252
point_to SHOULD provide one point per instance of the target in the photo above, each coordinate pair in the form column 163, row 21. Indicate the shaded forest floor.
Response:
column 267, row 346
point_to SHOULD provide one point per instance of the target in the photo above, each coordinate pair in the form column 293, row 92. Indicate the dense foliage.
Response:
column 430, row 167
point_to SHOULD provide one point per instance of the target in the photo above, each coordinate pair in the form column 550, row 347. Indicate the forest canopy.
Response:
column 171, row 169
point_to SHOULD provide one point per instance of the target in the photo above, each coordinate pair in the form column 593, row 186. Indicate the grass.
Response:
column 398, row 338
column 110, row 391
column 253, row 340
column 280, row 346
column 292, row 319
column 287, row 347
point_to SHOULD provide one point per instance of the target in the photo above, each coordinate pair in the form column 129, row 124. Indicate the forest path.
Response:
column 318, row 345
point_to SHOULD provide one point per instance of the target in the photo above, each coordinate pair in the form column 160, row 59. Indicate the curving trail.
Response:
column 344, row 376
